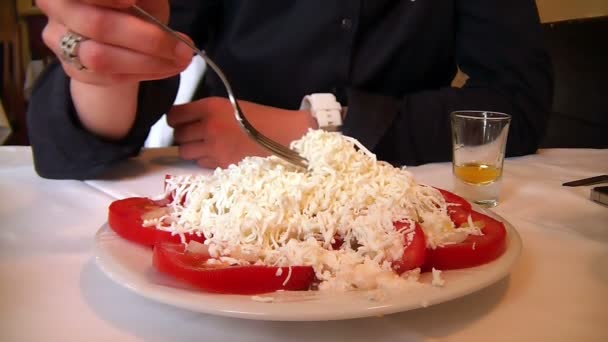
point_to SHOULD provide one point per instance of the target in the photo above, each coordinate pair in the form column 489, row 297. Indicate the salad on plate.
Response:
column 348, row 222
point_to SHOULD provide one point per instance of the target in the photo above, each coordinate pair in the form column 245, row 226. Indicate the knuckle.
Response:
column 69, row 71
column 178, row 135
column 43, row 5
column 154, row 44
column 111, row 3
column 94, row 57
column 48, row 38
column 171, row 120
column 94, row 24
column 72, row 73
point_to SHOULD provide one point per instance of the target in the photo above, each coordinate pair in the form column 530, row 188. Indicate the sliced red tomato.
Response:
column 126, row 217
column 338, row 242
column 459, row 208
column 170, row 257
column 474, row 250
column 174, row 260
column 171, row 195
column 414, row 254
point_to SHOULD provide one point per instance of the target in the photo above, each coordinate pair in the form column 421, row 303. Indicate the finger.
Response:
column 86, row 76
column 106, row 59
column 184, row 114
column 190, row 132
column 193, row 151
column 111, row 3
column 119, row 28
column 108, row 79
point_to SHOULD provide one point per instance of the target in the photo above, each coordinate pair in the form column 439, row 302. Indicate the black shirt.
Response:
column 391, row 62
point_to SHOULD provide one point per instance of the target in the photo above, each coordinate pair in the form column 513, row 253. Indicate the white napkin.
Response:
column 161, row 135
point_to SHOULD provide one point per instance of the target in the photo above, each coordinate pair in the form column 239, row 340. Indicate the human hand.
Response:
column 120, row 47
column 207, row 131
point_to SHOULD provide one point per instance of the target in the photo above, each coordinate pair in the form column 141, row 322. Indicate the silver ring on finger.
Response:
column 70, row 45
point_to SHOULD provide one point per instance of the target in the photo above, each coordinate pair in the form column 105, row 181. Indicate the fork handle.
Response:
column 196, row 50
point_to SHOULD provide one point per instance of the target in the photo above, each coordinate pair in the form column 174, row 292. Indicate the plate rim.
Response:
column 179, row 297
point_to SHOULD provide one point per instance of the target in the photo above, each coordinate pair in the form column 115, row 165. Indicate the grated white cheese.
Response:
column 437, row 280
column 278, row 215
column 288, row 276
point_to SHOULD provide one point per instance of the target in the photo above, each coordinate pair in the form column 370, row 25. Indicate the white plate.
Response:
column 131, row 266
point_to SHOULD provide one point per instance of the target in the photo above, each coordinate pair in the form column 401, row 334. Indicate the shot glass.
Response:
column 479, row 139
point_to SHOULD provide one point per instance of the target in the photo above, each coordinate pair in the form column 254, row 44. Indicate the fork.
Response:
column 276, row 148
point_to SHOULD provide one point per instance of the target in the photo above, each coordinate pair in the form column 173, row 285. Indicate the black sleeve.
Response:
column 63, row 149
column 500, row 47
column 196, row 18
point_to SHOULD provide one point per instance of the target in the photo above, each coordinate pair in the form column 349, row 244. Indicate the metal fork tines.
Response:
column 277, row 149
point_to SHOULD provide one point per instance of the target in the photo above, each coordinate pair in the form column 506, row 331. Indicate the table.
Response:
column 52, row 290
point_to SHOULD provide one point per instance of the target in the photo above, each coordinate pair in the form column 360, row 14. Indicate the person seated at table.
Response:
column 389, row 63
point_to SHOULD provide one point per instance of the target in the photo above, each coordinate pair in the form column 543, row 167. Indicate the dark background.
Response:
column 579, row 50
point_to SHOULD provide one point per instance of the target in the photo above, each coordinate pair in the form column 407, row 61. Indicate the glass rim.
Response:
column 481, row 114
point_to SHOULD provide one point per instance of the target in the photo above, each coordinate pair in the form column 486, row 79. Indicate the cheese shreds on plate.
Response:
column 264, row 211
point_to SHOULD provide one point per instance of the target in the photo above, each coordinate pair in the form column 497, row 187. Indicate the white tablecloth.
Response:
column 51, row 289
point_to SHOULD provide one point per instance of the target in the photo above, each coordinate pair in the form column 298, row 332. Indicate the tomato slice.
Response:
column 170, row 256
column 459, row 208
column 414, row 254
column 125, row 218
column 174, row 260
column 474, row 250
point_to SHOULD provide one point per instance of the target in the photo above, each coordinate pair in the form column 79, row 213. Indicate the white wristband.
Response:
column 325, row 109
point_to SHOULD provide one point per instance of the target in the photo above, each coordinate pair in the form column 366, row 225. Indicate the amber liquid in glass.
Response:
column 477, row 174
column 478, row 182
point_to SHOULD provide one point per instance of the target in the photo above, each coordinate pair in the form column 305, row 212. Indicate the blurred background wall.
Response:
column 576, row 35
column 560, row 10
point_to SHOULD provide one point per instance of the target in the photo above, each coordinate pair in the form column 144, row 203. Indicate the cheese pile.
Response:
column 265, row 211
